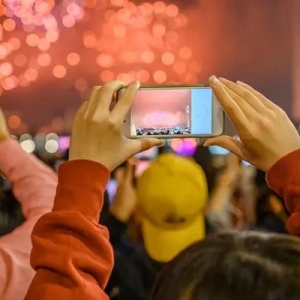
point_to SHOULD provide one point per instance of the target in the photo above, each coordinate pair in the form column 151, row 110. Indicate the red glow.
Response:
column 59, row 71
column 44, row 60
column 31, row 75
column 73, row 59
column 6, row 69
column 14, row 121
column 9, row 25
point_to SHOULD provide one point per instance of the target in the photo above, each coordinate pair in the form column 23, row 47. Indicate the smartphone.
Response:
column 174, row 111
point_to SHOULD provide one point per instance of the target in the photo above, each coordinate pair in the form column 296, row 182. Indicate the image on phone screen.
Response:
column 179, row 111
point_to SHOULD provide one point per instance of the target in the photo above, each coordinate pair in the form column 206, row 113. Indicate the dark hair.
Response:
column 235, row 266
column 11, row 215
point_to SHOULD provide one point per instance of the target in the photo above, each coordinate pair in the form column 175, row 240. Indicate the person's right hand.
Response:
column 4, row 133
column 97, row 132
column 124, row 202
column 265, row 131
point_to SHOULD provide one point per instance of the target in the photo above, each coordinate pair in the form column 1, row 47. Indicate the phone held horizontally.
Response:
column 174, row 111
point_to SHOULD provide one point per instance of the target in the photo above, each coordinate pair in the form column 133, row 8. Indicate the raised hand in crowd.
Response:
column 125, row 200
column 219, row 209
column 266, row 134
column 267, row 140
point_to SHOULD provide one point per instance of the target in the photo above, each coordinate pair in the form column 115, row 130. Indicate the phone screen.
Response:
column 172, row 111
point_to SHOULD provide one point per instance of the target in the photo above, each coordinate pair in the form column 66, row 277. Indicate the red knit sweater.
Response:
column 71, row 252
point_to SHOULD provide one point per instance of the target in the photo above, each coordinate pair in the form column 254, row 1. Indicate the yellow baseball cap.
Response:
column 172, row 194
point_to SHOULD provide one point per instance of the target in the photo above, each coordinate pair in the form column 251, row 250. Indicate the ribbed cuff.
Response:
column 81, row 186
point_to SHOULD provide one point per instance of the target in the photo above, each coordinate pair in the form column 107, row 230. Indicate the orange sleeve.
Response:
column 284, row 178
column 71, row 253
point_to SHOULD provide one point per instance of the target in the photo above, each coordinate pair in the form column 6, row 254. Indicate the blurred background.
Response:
column 53, row 51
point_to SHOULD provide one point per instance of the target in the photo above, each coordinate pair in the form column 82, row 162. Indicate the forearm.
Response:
column 71, row 252
column 284, row 178
column 32, row 181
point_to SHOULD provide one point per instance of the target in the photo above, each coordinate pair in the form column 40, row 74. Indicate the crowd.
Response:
column 175, row 232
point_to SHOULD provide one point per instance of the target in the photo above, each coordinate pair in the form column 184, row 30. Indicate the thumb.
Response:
column 141, row 145
column 227, row 142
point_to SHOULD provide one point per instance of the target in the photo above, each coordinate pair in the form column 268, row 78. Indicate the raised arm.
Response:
column 34, row 186
column 71, row 253
column 268, row 140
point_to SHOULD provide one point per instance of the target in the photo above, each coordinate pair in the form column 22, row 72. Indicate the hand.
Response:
column 276, row 206
column 97, row 132
column 4, row 133
column 232, row 171
column 265, row 131
column 124, row 202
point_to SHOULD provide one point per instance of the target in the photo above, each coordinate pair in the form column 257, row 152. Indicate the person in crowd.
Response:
column 238, row 265
column 165, row 220
column 171, row 219
column 71, row 253
column 220, row 208
column 34, row 186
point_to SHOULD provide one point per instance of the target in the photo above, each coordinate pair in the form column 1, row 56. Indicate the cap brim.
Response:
column 163, row 245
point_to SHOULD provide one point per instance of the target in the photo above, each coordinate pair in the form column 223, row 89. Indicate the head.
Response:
column 235, row 266
column 171, row 195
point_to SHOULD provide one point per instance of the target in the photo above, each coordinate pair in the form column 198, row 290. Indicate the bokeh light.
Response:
column 76, row 44
column 80, row 43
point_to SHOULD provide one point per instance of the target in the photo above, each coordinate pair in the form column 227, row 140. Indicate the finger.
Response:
column 231, row 144
column 80, row 111
column 92, row 97
column 269, row 104
column 119, row 174
column 144, row 144
column 245, row 96
column 123, row 106
column 129, row 172
column 247, row 109
column 101, row 98
column 231, row 108
column 233, row 161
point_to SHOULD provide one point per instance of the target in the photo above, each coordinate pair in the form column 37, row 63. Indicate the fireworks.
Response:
column 87, row 42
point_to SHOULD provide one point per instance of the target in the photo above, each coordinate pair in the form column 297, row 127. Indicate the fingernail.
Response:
column 241, row 83
column 214, row 81
column 137, row 83
column 224, row 80
column 162, row 143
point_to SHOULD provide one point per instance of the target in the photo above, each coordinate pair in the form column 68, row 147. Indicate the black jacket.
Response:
column 134, row 271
